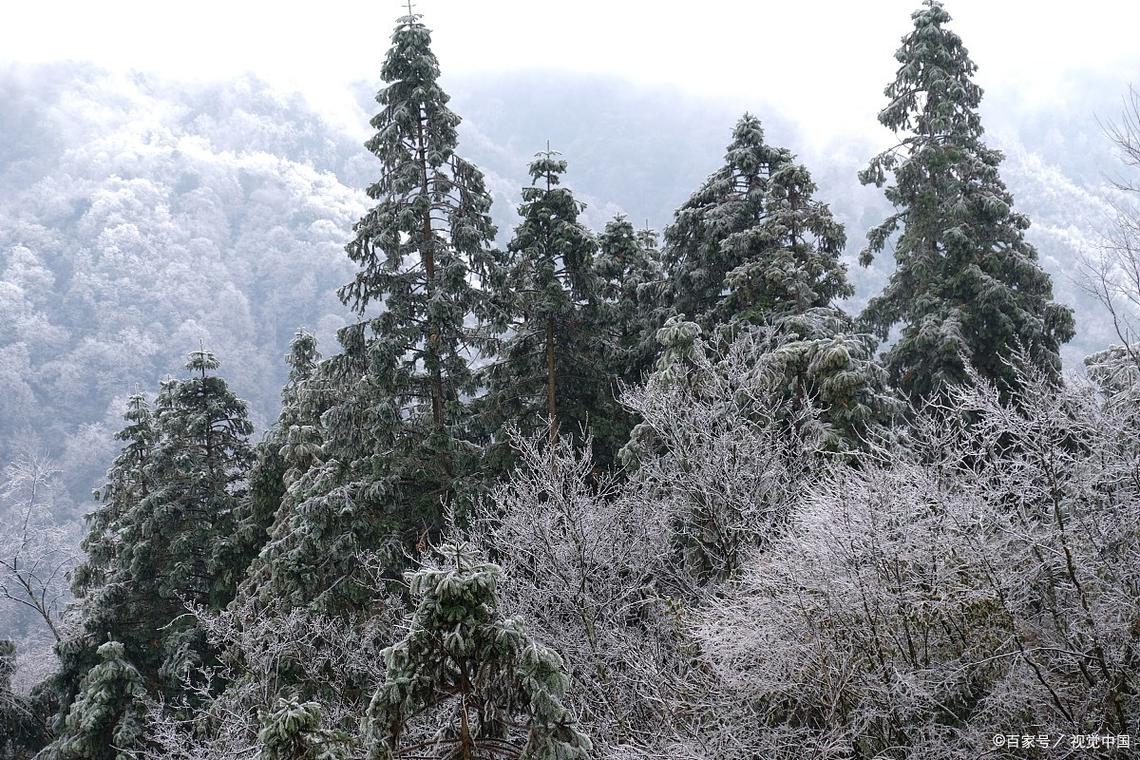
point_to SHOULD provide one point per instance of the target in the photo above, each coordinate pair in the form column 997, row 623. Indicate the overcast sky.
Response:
column 822, row 63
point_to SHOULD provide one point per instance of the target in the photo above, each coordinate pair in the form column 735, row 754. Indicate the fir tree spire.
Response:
column 632, row 277
column 420, row 248
column 127, row 484
column 550, row 372
column 179, row 541
column 967, row 288
column 384, row 436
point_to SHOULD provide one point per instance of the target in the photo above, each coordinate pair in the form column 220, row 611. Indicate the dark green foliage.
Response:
column 288, row 449
column 752, row 242
column 820, row 370
column 551, row 370
column 967, row 289
column 291, row 731
column 53, row 697
column 180, row 542
column 632, row 279
column 383, row 440
column 127, row 485
column 420, row 246
column 754, row 256
column 297, row 431
column 107, row 720
column 462, row 657
column 790, row 256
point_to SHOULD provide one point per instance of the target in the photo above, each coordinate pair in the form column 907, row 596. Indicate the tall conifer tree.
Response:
column 632, row 278
column 424, row 245
column 127, row 484
column 753, row 242
column 394, row 441
column 551, row 372
column 179, row 543
column 967, row 288
column 754, row 251
column 289, row 448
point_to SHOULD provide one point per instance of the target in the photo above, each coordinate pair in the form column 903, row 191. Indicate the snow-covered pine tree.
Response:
column 754, row 244
column 789, row 253
column 393, row 440
column 107, row 720
column 128, row 483
column 179, row 543
column 126, row 486
column 763, row 254
column 298, row 431
column 422, row 251
column 288, row 449
column 967, row 288
column 821, row 372
column 467, row 682
column 550, row 372
column 291, row 731
column 632, row 277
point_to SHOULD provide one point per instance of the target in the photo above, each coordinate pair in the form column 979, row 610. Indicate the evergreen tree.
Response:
column 180, row 542
column 127, row 485
column 420, row 250
column 107, row 721
column 789, row 256
column 289, row 448
column 629, row 266
column 100, row 582
column 298, row 431
column 967, row 288
column 291, row 731
column 820, row 371
column 393, row 440
column 551, row 369
column 763, row 255
column 462, row 656
column 752, row 233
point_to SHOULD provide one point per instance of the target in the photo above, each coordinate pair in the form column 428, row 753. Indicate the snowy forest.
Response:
column 542, row 482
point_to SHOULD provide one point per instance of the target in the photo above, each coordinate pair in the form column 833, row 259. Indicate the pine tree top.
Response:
column 111, row 650
column 303, row 356
column 748, row 153
column 546, row 168
column 202, row 361
column 412, row 100
column 936, row 65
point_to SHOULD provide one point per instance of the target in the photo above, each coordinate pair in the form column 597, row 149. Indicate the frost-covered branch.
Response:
column 36, row 553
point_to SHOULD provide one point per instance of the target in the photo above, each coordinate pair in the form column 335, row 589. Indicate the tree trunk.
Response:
column 551, row 403
column 428, row 255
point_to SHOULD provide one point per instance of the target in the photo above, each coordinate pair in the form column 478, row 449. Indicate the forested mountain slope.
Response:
column 141, row 217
